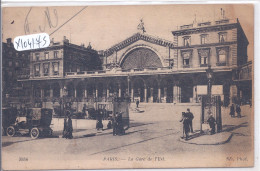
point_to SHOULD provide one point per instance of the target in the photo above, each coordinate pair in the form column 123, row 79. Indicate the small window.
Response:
column 204, row 57
column 56, row 53
column 203, row 38
column 37, row 70
column 46, row 69
column 187, row 41
column 16, row 64
column 222, row 37
column 37, row 56
column 46, row 55
column 55, row 69
column 186, row 55
column 222, row 54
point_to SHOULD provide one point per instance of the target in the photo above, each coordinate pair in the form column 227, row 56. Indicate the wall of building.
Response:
column 54, row 61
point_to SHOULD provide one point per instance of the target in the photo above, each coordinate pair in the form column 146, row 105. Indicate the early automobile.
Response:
column 38, row 121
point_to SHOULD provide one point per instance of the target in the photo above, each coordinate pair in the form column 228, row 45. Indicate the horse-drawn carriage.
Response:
column 38, row 121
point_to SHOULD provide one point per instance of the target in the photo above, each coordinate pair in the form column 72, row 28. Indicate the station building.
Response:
column 146, row 67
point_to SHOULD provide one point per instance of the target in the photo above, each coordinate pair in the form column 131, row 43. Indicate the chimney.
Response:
column 52, row 41
column 9, row 41
column 65, row 39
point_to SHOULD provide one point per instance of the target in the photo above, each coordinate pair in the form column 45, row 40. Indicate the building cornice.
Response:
column 136, row 37
column 206, row 45
column 205, row 29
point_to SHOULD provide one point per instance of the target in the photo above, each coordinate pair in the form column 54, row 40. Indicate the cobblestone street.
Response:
column 153, row 136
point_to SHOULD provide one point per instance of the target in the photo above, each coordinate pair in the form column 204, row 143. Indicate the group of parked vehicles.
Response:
column 37, row 121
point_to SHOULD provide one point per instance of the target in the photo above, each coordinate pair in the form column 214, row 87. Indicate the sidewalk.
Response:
column 206, row 139
column 230, row 127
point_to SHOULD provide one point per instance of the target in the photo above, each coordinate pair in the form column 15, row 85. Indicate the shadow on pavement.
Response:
column 5, row 144
column 136, row 124
column 225, row 128
column 228, row 128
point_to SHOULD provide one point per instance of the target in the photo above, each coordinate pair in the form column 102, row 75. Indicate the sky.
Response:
column 105, row 26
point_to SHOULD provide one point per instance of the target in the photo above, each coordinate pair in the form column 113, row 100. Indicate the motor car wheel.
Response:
column 10, row 131
column 35, row 133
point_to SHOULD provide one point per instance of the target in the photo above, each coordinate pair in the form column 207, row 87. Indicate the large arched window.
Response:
column 141, row 58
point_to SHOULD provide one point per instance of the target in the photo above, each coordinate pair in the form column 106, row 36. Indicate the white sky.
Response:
column 105, row 26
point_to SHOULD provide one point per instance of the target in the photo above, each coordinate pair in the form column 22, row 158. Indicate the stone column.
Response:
column 119, row 91
column 51, row 92
column 194, row 94
column 145, row 94
column 179, row 94
column 107, row 92
column 159, row 94
column 61, row 92
column 151, row 94
column 132, row 94
column 165, row 94
column 75, row 92
column 175, row 94
column 96, row 93
column 85, row 93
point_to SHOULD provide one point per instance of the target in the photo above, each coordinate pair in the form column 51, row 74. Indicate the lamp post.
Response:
column 209, row 73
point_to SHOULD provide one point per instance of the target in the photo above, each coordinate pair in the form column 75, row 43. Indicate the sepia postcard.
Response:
column 130, row 86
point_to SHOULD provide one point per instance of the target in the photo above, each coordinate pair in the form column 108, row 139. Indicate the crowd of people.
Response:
column 115, row 123
column 187, row 128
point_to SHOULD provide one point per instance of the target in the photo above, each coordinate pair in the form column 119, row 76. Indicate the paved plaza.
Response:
column 154, row 135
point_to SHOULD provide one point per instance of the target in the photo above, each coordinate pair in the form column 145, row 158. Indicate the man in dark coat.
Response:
column 232, row 110
column 114, row 122
column 137, row 103
column 186, row 126
column 190, row 118
column 211, row 120
column 99, row 124
column 238, row 110
column 65, row 128
column 69, row 128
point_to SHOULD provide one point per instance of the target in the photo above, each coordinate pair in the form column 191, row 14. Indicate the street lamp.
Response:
column 209, row 73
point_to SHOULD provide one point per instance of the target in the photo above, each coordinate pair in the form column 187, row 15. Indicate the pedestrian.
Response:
column 69, row 128
column 190, row 118
column 85, row 111
column 182, row 118
column 99, row 124
column 232, row 110
column 211, row 120
column 238, row 110
column 109, row 124
column 186, row 125
column 137, row 103
column 65, row 127
column 114, row 122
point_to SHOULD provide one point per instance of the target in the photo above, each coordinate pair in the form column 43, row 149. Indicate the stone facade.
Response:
column 144, row 67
